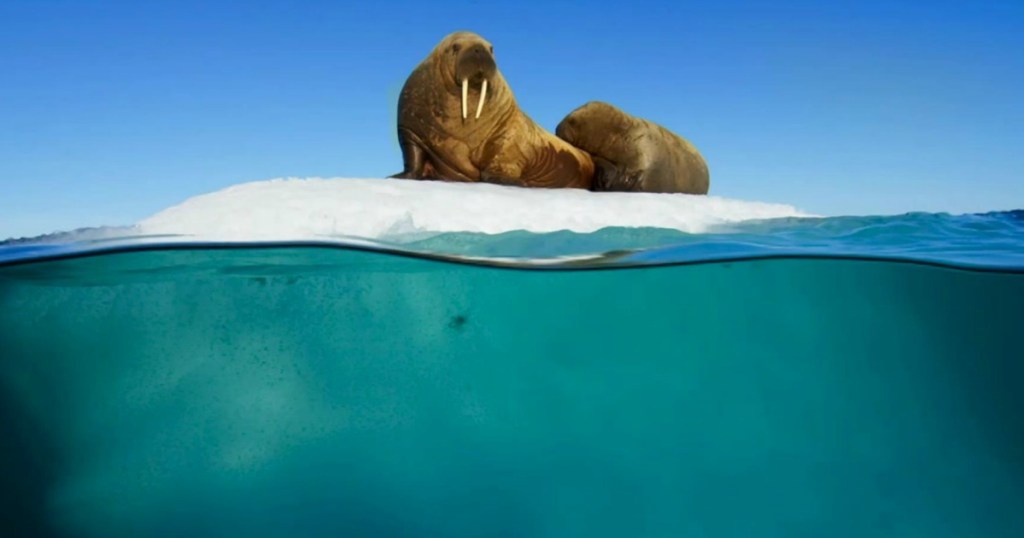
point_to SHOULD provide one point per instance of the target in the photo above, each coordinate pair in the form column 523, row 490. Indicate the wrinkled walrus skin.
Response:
column 458, row 121
column 633, row 154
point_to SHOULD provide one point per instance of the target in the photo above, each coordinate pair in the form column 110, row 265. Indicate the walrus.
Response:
column 633, row 154
column 443, row 137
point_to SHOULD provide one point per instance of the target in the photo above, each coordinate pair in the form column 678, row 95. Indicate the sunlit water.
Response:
column 791, row 377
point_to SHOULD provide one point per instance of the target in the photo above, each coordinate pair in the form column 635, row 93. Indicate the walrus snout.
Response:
column 480, row 52
column 475, row 63
column 475, row 66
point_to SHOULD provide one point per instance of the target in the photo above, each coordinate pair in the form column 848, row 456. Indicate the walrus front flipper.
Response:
column 413, row 158
column 610, row 177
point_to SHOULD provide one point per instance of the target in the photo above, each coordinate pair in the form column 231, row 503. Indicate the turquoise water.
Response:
column 830, row 377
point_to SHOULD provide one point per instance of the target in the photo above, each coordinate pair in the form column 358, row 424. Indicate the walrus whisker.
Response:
column 465, row 96
column 483, row 96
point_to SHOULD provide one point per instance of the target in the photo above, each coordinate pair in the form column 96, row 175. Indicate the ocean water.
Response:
column 858, row 376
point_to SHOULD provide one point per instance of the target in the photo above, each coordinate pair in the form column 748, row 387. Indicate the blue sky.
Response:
column 112, row 111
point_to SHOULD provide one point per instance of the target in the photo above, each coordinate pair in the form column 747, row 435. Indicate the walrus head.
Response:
column 466, row 61
column 606, row 133
column 592, row 126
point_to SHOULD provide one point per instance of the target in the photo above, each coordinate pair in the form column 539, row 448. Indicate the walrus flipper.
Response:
column 611, row 177
column 413, row 158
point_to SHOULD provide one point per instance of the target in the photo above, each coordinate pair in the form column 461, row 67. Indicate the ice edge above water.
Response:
column 502, row 226
column 393, row 209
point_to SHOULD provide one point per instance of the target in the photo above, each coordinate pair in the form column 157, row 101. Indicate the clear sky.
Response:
column 113, row 110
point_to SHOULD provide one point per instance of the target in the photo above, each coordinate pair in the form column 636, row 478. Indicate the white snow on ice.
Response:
column 317, row 208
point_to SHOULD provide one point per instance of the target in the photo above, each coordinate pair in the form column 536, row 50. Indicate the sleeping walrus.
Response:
column 634, row 154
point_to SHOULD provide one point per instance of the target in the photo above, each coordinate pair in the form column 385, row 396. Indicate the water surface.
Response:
column 786, row 378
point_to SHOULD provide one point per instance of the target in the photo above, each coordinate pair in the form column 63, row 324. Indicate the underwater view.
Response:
column 754, row 372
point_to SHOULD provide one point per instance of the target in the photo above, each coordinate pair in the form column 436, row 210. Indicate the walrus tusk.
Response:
column 483, row 96
column 465, row 96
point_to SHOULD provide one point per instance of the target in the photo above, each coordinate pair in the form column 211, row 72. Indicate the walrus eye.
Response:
column 455, row 48
column 492, row 49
